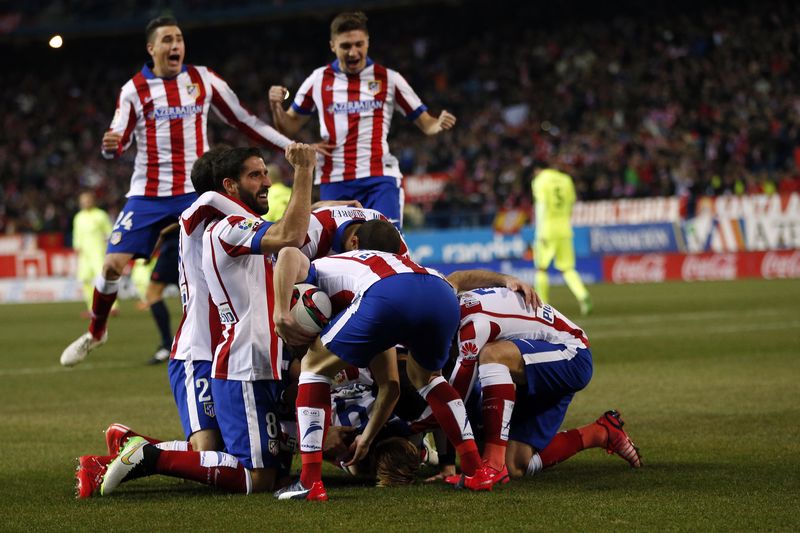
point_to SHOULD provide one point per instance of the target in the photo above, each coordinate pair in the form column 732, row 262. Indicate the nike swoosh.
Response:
column 126, row 458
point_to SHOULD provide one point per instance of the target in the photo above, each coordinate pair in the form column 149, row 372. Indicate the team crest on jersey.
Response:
column 374, row 86
column 193, row 90
column 208, row 409
column 248, row 224
column 116, row 236
column 273, row 446
column 469, row 350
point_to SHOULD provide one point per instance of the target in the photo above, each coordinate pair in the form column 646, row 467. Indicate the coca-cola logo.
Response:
column 709, row 267
column 781, row 265
column 644, row 269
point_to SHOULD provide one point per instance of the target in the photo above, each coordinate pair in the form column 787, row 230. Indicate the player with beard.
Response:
column 248, row 364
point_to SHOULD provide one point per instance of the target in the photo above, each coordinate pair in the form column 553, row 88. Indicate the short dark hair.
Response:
column 231, row 163
column 380, row 235
column 156, row 23
column 349, row 21
column 205, row 166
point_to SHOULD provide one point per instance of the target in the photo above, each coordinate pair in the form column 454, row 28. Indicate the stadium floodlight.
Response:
column 56, row 41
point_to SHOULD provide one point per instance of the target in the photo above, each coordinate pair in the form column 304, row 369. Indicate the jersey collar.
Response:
column 336, row 69
column 147, row 71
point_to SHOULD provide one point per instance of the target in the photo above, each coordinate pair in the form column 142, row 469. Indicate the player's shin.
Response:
column 498, row 404
column 448, row 408
column 105, row 293
column 218, row 469
column 564, row 445
column 313, row 418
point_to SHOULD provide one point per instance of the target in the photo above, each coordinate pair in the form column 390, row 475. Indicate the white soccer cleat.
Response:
column 130, row 456
column 77, row 351
column 161, row 355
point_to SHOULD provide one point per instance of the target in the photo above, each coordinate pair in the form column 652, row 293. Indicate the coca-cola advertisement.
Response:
column 654, row 268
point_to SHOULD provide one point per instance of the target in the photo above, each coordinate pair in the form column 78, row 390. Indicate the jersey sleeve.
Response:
column 408, row 103
column 227, row 106
column 472, row 336
column 238, row 235
column 124, row 121
column 303, row 103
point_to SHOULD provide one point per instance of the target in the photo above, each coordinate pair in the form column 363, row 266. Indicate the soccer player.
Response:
column 554, row 196
column 390, row 300
column 90, row 230
column 165, row 108
column 247, row 366
column 354, row 99
column 279, row 193
column 530, row 363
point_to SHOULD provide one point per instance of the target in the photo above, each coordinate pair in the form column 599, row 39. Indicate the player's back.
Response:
column 327, row 227
column 499, row 313
column 554, row 195
column 195, row 337
column 348, row 275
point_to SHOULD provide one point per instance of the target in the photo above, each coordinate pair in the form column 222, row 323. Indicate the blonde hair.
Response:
column 396, row 462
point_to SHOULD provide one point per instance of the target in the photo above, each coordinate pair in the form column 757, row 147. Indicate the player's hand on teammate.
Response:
column 446, row 120
column 290, row 331
column 323, row 148
column 111, row 141
column 301, row 155
column 360, row 448
column 532, row 299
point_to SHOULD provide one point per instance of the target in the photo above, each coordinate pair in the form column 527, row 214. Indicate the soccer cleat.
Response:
column 618, row 441
column 479, row 481
column 130, row 456
column 161, row 355
column 89, row 475
column 77, row 351
column 116, row 435
column 586, row 305
column 296, row 491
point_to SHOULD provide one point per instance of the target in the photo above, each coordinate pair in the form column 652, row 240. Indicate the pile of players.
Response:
column 251, row 386
column 234, row 378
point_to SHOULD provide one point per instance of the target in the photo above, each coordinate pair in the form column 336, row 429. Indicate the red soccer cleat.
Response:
column 89, row 475
column 618, row 441
column 116, row 435
column 495, row 477
column 296, row 491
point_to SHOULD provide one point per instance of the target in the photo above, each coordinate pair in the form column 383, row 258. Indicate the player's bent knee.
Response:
column 114, row 265
column 501, row 352
column 263, row 479
column 206, row 440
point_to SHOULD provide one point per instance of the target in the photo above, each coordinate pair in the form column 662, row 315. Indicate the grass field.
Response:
column 706, row 374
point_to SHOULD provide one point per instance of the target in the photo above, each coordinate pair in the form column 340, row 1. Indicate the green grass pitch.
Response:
column 707, row 376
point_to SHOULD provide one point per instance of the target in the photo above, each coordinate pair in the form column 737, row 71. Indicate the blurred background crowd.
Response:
column 701, row 100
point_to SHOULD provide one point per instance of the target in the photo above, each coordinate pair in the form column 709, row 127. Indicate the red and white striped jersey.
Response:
column 239, row 280
column 200, row 327
column 499, row 313
column 355, row 112
column 169, row 117
column 345, row 276
column 327, row 226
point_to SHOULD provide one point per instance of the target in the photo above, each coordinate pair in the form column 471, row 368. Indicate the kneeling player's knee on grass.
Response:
column 396, row 462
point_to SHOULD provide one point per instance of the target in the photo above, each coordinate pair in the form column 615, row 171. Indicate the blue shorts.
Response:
column 166, row 269
column 381, row 193
column 191, row 387
column 555, row 373
column 137, row 227
column 419, row 311
column 249, row 421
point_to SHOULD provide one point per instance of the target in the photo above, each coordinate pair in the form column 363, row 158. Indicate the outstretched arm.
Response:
column 384, row 371
column 467, row 280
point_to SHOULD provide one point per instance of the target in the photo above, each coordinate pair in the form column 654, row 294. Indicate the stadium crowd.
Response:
column 660, row 104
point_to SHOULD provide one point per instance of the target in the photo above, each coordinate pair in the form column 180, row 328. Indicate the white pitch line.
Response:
column 58, row 368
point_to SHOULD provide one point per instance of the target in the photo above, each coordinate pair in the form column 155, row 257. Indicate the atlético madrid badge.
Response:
column 193, row 90
column 374, row 86
column 115, row 237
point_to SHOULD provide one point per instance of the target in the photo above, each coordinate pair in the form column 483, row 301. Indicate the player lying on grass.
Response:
column 529, row 364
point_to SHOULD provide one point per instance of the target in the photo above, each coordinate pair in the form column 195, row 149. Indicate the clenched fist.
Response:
column 301, row 155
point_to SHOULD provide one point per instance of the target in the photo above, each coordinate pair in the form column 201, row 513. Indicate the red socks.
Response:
column 448, row 408
column 101, row 307
column 217, row 469
column 313, row 418
column 498, row 404
column 563, row 446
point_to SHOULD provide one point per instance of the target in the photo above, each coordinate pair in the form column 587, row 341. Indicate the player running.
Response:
column 165, row 108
